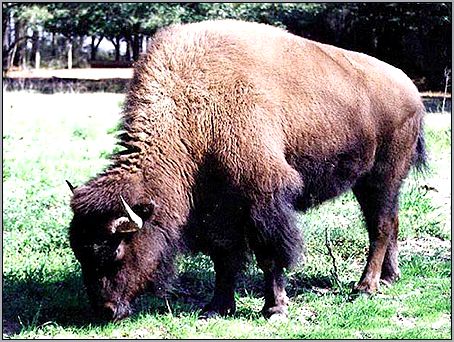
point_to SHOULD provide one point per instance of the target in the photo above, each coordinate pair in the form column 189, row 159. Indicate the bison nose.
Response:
column 123, row 310
column 108, row 311
column 112, row 312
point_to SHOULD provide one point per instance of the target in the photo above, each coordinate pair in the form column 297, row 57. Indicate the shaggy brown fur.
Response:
column 229, row 127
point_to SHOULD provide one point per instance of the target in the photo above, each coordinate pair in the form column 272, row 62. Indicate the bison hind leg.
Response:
column 378, row 199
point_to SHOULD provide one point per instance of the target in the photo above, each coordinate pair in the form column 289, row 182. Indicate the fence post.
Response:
column 70, row 55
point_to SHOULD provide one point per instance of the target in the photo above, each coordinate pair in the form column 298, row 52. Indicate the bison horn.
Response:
column 131, row 214
column 71, row 187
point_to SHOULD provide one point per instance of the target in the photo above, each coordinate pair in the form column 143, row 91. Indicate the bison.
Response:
column 230, row 127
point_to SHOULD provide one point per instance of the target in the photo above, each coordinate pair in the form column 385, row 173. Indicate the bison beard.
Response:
column 229, row 127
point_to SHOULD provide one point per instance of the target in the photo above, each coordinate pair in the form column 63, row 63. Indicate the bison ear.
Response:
column 122, row 225
column 120, row 251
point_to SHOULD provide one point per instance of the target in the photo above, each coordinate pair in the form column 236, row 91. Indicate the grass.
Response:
column 50, row 138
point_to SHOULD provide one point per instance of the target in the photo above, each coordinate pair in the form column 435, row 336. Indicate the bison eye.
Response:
column 120, row 251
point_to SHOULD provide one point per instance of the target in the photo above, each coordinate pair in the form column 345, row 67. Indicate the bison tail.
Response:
column 420, row 154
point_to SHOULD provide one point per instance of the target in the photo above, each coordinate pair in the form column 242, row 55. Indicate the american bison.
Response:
column 229, row 127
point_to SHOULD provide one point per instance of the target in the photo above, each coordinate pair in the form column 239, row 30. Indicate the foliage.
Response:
column 402, row 34
column 412, row 36
column 50, row 138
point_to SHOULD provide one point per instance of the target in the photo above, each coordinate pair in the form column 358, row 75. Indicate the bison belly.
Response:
column 327, row 177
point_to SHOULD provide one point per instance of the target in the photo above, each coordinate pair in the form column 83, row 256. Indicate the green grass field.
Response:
column 50, row 138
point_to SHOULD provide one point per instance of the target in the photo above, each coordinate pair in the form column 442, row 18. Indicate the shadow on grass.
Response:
column 29, row 304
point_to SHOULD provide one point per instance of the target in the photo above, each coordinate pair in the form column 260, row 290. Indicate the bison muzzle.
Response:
column 229, row 128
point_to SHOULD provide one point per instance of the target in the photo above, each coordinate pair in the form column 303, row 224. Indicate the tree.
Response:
column 92, row 23
column 22, row 17
column 412, row 36
column 113, row 26
column 69, row 20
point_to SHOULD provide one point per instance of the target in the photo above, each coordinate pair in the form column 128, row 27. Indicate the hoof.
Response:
column 358, row 294
column 276, row 311
column 388, row 280
column 209, row 314
column 213, row 311
column 278, row 318
column 362, row 290
column 368, row 288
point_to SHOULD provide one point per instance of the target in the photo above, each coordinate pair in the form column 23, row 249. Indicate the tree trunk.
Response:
column 19, row 30
column 94, row 47
column 117, row 48
column 78, row 53
column 6, row 42
column 128, row 50
column 34, row 55
column 116, row 43
column 135, row 46
column 141, row 49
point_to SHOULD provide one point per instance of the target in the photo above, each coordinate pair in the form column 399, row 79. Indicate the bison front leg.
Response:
column 277, row 245
column 276, row 300
column 227, row 268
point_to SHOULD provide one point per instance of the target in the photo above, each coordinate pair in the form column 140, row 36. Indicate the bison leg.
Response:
column 276, row 299
column 271, row 185
column 277, row 244
column 390, row 268
column 379, row 203
column 227, row 268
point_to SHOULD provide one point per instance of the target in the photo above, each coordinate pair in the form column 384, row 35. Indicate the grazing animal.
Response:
column 230, row 127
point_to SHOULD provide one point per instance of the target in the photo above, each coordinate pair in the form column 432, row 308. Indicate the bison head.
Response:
column 119, row 253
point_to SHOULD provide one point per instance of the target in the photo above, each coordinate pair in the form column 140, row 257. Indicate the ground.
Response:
column 106, row 73
column 85, row 73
